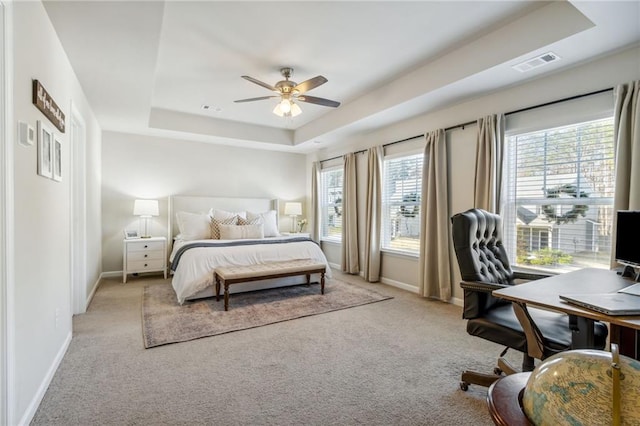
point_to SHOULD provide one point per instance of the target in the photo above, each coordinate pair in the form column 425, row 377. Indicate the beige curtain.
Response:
column 435, row 265
column 374, row 220
column 489, row 163
column 350, row 252
column 315, row 201
column 627, row 140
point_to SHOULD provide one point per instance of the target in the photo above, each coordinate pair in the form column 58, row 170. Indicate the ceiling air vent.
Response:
column 536, row 62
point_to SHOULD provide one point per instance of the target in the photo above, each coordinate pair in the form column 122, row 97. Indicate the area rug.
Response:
column 164, row 321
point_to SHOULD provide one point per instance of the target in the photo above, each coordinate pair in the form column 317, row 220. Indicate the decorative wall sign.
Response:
column 47, row 105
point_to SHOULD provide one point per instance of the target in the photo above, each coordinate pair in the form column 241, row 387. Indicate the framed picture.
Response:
column 45, row 150
column 57, row 159
column 129, row 234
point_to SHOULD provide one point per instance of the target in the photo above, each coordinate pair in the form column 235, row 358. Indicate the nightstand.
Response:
column 144, row 255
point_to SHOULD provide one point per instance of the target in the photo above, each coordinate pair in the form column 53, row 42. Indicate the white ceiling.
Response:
column 147, row 67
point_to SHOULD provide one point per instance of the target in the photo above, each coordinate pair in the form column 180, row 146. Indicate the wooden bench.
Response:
column 228, row 275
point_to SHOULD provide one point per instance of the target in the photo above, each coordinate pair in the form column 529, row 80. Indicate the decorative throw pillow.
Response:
column 270, row 219
column 193, row 226
column 236, row 232
column 258, row 220
column 215, row 225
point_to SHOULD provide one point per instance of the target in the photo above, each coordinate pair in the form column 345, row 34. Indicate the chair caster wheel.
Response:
column 464, row 386
column 497, row 371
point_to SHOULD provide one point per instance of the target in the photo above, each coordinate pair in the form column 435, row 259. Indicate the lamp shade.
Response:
column 146, row 208
column 293, row 208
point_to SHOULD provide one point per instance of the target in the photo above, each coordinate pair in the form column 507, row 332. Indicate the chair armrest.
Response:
column 481, row 286
column 529, row 276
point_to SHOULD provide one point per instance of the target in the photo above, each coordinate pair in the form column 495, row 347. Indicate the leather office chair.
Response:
column 484, row 266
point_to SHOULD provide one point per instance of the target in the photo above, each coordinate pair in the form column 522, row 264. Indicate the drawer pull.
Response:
column 146, row 255
column 146, row 246
column 145, row 265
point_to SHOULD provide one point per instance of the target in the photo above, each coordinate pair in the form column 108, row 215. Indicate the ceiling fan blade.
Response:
column 261, row 98
column 260, row 83
column 312, row 83
column 318, row 101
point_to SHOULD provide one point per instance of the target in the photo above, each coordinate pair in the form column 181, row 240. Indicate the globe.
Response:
column 575, row 388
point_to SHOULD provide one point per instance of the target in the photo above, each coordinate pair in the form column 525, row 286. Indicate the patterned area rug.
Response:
column 164, row 321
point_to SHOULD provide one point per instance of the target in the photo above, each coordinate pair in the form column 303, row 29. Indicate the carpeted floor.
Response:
column 165, row 321
column 397, row 362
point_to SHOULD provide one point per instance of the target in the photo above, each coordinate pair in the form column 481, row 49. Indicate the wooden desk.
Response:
column 545, row 294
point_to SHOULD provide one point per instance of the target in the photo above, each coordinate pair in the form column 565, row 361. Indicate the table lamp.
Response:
column 145, row 209
column 293, row 209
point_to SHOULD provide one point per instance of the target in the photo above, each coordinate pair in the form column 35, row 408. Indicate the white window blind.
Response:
column 401, row 193
column 560, row 196
column 331, row 203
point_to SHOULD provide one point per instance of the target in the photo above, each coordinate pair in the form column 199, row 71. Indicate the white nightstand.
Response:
column 144, row 255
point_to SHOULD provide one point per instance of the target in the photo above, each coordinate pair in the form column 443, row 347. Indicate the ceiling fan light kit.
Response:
column 289, row 91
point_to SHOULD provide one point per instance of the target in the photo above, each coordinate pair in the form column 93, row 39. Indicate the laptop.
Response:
column 608, row 303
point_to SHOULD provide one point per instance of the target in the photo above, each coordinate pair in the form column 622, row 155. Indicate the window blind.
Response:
column 331, row 203
column 560, row 196
column 401, row 193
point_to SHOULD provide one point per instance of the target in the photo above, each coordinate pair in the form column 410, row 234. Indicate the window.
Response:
column 331, row 203
column 402, row 187
column 560, row 192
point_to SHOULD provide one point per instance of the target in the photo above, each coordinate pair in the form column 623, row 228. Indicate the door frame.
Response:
column 78, row 216
column 7, row 325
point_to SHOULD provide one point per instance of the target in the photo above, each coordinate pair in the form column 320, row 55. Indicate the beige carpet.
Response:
column 164, row 321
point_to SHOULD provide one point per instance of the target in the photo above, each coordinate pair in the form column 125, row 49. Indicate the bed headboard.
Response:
column 196, row 204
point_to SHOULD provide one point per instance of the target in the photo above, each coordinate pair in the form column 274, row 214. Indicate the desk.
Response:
column 544, row 293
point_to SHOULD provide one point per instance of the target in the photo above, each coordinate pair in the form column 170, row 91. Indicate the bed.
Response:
column 251, row 238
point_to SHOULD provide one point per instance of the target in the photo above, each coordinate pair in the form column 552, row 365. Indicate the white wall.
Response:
column 602, row 73
column 42, row 289
column 136, row 166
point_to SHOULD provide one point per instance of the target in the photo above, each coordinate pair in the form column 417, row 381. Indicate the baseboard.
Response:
column 37, row 399
column 456, row 301
column 335, row 266
column 110, row 274
column 93, row 293
column 400, row 285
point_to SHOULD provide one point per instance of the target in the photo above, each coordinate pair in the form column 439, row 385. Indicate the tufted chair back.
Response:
column 477, row 239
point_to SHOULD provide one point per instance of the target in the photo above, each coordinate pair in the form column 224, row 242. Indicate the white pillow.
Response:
column 223, row 214
column 237, row 232
column 194, row 226
column 270, row 220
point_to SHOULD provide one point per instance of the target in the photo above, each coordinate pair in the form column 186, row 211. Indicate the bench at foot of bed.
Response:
column 238, row 274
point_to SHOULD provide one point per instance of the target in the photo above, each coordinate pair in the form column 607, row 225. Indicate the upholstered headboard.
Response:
column 199, row 204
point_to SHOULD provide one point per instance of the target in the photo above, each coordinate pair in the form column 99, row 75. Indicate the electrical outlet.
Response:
column 57, row 318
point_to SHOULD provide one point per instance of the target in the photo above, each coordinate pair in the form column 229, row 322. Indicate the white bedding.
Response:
column 194, row 271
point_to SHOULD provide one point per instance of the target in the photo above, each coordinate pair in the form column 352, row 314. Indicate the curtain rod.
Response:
column 468, row 123
column 570, row 98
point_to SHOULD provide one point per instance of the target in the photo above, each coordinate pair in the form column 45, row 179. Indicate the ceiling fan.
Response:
column 289, row 91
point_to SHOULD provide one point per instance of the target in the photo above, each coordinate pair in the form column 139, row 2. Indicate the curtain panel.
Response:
column 489, row 163
column 627, row 140
column 315, row 201
column 372, row 242
column 435, row 262
column 350, row 252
